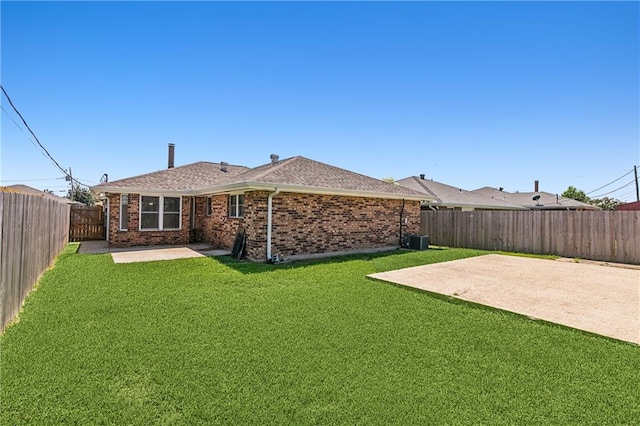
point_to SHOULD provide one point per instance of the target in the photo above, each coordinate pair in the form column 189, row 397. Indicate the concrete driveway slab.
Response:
column 595, row 298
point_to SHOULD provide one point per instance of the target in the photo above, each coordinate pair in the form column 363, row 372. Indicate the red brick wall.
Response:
column 309, row 224
column 219, row 229
column 302, row 223
column 135, row 237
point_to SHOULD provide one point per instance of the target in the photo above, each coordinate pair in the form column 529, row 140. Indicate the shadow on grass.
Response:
column 248, row 267
column 398, row 258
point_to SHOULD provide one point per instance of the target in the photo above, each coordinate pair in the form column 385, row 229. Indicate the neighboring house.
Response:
column 24, row 189
column 629, row 206
column 451, row 198
column 544, row 201
column 293, row 208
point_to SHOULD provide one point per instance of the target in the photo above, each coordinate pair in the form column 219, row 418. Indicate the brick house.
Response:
column 293, row 208
column 629, row 206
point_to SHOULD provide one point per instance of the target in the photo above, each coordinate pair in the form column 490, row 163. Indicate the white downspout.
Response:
column 108, row 213
column 269, row 208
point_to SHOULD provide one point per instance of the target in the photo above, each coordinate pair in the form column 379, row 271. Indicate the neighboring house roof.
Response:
column 295, row 174
column 24, row 189
column 629, row 206
column 450, row 196
column 547, row 201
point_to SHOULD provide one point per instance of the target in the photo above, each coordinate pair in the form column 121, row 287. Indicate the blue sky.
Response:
column 470, row 94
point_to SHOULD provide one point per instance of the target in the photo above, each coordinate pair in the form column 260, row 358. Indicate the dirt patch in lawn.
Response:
column 595, row 298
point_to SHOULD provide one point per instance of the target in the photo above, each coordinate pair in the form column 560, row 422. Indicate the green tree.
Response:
column 606, row 203
column 82, row 194
column 390, row 180
column 576, row 194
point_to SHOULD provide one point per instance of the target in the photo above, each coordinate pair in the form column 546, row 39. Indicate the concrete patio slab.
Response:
column 595, row 298
column 154, row 254
column 150, row 253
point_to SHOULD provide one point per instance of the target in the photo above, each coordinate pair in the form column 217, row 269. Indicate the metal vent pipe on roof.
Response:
column 172, row 151
column 223, row 166
column 274, row 158
column 422, row 176
column 535, row 185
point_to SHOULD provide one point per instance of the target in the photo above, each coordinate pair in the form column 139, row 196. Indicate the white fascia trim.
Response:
column 255, row 186
column 154, row 192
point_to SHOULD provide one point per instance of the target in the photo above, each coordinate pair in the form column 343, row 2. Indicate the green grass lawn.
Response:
column 215, row 341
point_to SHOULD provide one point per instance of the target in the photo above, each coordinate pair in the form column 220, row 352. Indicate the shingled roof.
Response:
column 295, row 174
column 547, row 201
column 176, row 179
column 24, row 189
column 451, row 196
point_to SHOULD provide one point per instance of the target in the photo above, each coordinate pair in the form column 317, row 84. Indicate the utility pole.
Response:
column 69, row 178
column 635, row 172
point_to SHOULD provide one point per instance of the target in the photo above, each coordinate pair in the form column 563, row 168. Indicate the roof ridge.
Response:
column 155, row 171
column 416, row 178
column 171, row 169
column 217, row 163
column 275, row 167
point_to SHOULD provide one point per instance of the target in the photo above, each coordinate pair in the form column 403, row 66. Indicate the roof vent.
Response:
column 224, row 166
column 274, row 158
column 422, row 176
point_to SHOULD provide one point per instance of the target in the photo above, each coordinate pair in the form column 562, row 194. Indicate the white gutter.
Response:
column 259, row 186
column 269, row 209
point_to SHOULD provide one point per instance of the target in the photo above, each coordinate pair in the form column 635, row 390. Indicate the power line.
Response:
column 14, row 121
column 86, row 180
column 615, row 180
column 29, row 180
column 36, row 138
column 617, row 189
column 627, row 194
column 22, row 130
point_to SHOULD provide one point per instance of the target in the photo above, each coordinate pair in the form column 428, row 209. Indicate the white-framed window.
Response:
column 160, row 213
column 209, row 207
column 236, row 205
column 124, row 212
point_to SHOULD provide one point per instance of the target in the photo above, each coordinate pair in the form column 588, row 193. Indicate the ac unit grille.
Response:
column 418, row 242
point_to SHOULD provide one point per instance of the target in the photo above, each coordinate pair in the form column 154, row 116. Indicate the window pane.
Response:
column 209, row 209
column 149, row 221
column 171, row 221
column 232, row 205
column 150, row 204
column 124, row 211
column 240, row 205
column 172, row 204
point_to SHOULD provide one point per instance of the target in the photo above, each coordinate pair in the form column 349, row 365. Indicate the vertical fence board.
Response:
column 33, row 231
column 597, row 235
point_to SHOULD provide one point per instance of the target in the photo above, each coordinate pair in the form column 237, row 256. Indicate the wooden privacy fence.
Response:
column 33, row 231
column 597, row 235
column 87, row 223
